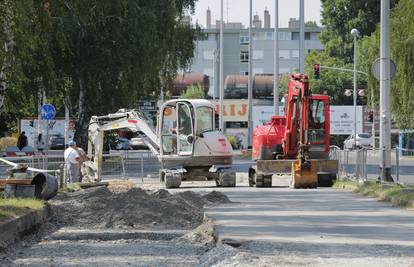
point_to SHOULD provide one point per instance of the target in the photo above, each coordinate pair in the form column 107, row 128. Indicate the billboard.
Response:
column 342, row 118
column 56, row 127
column 262, row 114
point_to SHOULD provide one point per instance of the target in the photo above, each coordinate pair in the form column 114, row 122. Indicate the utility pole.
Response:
column 355, row 34
column 250, row 85
column 221, row 70
column 385, row 82
column 276, row 60
column 302, row 37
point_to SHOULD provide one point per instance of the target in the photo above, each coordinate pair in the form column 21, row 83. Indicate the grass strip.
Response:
column 13, row 207
column 397, row 195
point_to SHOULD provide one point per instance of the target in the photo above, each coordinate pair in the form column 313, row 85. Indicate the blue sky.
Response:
column 238, row 10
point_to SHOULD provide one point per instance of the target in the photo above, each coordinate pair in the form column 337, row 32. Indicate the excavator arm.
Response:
column 123, row 119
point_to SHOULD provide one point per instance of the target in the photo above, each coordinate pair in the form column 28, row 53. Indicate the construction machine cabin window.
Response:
column 205, row 120
column 316, row 131
column 185, row 129
column 169, row 130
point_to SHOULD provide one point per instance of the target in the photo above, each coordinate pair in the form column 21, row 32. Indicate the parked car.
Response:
column 363, row 140
column 137, row 142
column 57, row 142
column 122, row 143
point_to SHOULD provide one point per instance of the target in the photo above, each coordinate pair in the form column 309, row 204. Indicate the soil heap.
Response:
column 135, row 208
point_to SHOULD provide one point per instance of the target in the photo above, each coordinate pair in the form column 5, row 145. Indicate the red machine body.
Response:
column 303, row 131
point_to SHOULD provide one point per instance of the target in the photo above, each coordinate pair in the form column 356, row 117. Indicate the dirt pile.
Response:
column 137, row 208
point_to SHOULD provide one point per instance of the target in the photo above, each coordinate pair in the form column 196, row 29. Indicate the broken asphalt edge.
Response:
column 15, row 229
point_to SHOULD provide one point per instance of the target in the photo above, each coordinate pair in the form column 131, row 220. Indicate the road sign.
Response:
column 147, row 105
column 375, row 68
column 48, row 112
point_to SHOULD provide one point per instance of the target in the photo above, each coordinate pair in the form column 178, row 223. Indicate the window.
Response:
column 184, row 129
column 307, row 35
column 244, row 40
column 244, row 72
column 258, row 54
column 269, row 36
column 204, row 120
column 208, row 55
column 316, row 132
column 285, row 36
column 169, row 124
column 295, row 36
column 284, row 54
column 244, row 56
column 295, row 53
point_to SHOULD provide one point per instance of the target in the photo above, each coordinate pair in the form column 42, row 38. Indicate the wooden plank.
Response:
column 3, row 182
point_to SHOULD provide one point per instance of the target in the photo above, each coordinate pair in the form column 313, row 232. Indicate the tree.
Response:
column 96, row 56
column 402, row 52
column 335, row 82
column 311, row 23
column 338, row 19
column 194, row 92
column 402, row 86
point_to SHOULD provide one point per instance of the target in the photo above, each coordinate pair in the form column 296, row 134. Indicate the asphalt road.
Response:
column 323, row 227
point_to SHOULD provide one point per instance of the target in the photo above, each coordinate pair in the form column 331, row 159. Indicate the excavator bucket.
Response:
column 304, row 176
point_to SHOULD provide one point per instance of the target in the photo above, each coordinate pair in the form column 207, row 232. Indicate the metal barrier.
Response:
column 366, row 164
column 351, row 163
column 116, row 165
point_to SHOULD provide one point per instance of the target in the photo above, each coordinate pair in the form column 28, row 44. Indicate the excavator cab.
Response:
column 177, row 129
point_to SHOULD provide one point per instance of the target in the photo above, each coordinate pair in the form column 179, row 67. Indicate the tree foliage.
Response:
column 194, row 92
column 96, row 56
column 334, row 82
column 339, row 17
column 402, row 52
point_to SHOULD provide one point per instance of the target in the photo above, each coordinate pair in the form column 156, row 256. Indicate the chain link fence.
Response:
column 365, row 164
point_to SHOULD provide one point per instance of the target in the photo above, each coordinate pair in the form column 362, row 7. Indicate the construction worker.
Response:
column 72, row 163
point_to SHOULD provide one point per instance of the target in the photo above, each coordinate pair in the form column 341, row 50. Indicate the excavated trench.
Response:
column 154, row 227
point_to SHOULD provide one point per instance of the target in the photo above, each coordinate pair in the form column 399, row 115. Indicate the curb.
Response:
column 15, row 229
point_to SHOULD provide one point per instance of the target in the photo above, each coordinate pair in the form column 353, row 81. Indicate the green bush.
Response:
column 194, row 92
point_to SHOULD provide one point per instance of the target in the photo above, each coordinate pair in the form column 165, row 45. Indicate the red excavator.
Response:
column 296, row 143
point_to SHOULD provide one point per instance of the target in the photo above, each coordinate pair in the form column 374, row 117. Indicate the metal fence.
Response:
column 352, row 163
column 365, row 164
column 115, row 165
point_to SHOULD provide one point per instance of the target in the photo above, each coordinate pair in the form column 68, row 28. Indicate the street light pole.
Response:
column 302, row 37
column 385, row 85
column 221, row 70
column 355, row 34
column 250, row 85
column 276, row 60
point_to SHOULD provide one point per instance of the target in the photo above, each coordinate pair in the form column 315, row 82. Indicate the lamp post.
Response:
column 355, row 34
column 276, row 60
column 221, row 69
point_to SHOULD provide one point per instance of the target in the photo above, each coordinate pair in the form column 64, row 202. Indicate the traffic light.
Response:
column 371, row 116
column 316, row 71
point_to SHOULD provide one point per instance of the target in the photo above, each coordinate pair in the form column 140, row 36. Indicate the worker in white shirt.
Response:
column 72, row 163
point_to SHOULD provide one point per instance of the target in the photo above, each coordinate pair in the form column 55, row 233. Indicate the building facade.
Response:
column 236, row 52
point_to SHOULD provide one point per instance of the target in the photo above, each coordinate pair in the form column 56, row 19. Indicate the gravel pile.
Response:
column 135, row 208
